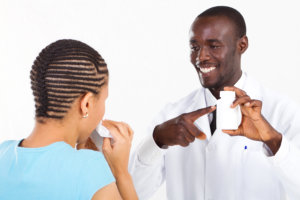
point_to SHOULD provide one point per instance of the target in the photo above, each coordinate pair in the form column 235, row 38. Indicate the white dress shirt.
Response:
column 223, row 167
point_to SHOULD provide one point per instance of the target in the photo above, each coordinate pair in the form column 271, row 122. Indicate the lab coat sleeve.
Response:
column 286, row 161
column 287, row 164
column 147, row 168
column 147, row 165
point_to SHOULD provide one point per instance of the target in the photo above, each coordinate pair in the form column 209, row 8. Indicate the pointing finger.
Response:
column 198, row 113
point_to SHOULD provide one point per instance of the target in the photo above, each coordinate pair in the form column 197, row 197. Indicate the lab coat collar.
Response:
column 198, row 101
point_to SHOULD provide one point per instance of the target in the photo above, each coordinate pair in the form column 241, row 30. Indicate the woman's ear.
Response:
column 243, row 44
column 85, row 104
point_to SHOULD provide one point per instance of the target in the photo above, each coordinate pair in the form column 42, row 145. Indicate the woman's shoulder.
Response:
column 8, row 144
column 90, row 156
column 93, row 161
column 94, row 170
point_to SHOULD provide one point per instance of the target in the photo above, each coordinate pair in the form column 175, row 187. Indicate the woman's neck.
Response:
column 49, row 132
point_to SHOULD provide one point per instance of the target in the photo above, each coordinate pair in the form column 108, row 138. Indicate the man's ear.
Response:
column 243, row 44
column 85, row 103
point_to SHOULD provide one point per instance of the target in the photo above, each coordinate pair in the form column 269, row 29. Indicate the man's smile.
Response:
column 205, row 69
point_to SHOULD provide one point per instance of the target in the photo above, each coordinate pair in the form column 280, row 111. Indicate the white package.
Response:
column 227, row 118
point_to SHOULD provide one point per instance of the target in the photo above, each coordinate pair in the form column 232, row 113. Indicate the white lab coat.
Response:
column 223, row 167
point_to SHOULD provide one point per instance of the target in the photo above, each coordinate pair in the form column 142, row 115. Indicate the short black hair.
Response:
column 62, row 72
column 231, row 13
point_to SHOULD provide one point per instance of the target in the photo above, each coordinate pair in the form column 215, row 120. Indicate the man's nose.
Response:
column 203, row 54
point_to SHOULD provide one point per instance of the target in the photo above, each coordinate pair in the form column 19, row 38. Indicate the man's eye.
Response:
column 194, row 48
column 214, row 46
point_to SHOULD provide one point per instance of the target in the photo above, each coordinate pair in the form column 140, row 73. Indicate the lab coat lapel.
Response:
column 202, row 123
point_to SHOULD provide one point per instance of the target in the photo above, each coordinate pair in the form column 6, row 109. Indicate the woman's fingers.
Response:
column 119, row 130
column 130, row 132
column 113, row 128
column 115, row 132
column 106, row 146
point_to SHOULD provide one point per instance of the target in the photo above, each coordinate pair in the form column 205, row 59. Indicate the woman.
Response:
column 69, row 80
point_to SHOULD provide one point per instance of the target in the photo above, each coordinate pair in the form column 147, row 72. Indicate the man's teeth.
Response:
column 207, row 69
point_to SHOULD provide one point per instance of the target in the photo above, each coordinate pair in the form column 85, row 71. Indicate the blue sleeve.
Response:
column 95, row 175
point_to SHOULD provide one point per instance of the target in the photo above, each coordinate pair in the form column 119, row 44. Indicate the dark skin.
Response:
column 215, row 44
column 254, row 126
column 216, row 51
column 180, row 130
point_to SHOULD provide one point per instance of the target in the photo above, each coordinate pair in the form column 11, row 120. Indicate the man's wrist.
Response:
column 271, row 137
column 275, row 142
column 156, row 140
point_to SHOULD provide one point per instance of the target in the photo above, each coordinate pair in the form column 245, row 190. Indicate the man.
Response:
column 259, row 161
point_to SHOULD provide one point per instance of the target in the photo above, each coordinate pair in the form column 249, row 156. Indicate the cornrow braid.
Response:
column 62, row 72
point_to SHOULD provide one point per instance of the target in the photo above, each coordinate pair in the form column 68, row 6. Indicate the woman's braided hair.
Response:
column 63, row 71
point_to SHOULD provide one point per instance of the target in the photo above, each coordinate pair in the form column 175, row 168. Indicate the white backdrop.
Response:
column 145, row 44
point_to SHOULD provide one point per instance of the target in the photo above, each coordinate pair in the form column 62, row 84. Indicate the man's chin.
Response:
column 207, row 84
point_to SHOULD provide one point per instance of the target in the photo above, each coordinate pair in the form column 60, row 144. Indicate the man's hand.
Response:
column 180, row 130
column 254, row 126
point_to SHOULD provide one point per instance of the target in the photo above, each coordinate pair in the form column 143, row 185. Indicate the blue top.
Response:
column 57, row 171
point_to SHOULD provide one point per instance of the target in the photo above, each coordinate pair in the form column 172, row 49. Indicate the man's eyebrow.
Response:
column 209, row 40
column 213, row 40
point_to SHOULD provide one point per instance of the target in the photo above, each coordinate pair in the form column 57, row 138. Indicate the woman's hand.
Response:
column 117, row 150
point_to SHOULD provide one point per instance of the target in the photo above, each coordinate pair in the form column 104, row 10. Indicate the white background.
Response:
column 145, row 44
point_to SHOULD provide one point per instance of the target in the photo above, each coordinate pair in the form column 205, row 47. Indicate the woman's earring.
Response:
column 86, row 115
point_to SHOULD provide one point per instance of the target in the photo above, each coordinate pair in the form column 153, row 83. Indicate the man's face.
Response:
column 214, row 53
